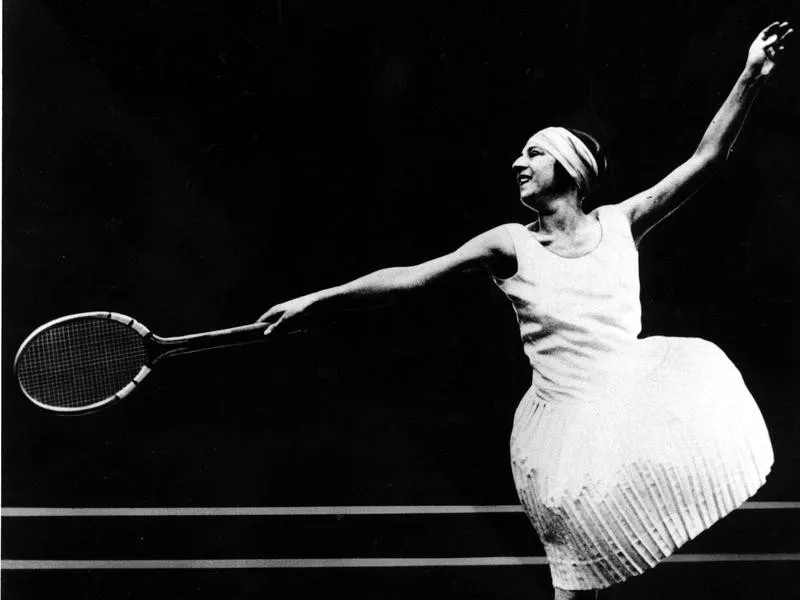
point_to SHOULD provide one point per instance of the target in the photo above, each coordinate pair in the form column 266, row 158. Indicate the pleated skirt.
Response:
column 615, row 484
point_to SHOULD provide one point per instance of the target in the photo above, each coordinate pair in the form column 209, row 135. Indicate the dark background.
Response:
column 192, row 163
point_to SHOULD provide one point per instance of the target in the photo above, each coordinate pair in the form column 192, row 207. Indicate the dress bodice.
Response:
column 579, row 318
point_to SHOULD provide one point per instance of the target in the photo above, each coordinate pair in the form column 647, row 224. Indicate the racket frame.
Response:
column 156, row 348
column 126, row 390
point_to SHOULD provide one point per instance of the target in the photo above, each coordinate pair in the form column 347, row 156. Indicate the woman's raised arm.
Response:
column 492, row 250
column 649, row 207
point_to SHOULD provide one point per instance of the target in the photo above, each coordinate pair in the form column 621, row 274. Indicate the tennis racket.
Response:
column 79, row 363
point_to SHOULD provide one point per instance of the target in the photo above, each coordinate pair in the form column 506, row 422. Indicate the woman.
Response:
column 623, row 449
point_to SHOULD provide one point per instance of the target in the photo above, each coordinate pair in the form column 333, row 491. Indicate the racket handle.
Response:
column 220, row 338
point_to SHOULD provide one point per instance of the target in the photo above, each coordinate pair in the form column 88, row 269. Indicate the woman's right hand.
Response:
column 286, row 316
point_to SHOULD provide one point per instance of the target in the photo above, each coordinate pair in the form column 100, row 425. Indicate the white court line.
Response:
column 271, row 511
column 299, row 511
column 339, row 563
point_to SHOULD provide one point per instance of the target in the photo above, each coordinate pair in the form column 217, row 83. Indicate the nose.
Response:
column 518, row 164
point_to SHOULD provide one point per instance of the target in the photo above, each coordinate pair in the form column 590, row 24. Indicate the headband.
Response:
column 572, row 153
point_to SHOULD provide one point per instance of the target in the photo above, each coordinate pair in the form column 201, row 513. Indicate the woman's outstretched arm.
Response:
column 649, row 207
column 492, row 250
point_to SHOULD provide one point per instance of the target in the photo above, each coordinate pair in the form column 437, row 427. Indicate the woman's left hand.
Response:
column 767, row 48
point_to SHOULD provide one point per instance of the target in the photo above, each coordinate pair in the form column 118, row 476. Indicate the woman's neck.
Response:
column 561, row 216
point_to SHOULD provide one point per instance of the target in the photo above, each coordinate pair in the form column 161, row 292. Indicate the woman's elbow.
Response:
column 416, row 277
column 401, row 279
column 711, row 156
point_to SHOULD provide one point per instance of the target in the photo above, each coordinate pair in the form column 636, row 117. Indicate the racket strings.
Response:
column 79, row 363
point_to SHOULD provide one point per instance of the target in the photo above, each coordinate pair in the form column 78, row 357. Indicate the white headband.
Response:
column 572, row 153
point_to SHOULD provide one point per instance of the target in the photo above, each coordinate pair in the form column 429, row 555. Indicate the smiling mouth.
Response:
column 523, row 179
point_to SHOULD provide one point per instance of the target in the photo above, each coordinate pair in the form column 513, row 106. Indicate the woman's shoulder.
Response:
column 495, row 243
column 500, row 240
column 501, row 243
column 508, row 236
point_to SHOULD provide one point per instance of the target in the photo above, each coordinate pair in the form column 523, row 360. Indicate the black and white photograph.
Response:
column 457, row 299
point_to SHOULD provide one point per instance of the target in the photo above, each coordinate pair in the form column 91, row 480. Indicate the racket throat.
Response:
column 210, row 340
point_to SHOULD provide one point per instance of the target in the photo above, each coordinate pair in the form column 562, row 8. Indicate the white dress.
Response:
column 623, row 449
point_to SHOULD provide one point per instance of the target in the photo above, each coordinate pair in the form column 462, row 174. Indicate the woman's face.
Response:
column 536, row 173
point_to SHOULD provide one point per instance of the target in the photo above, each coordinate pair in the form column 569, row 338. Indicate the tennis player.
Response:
column 624, row 448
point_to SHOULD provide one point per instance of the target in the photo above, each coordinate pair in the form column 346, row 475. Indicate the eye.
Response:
column 533, row 151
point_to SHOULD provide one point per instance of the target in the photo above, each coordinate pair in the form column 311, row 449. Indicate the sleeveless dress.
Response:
column 623, row 449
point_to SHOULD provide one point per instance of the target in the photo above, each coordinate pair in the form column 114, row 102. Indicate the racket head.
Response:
column 79, row 363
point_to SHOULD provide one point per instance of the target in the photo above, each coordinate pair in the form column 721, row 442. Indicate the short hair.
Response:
column 597, row 151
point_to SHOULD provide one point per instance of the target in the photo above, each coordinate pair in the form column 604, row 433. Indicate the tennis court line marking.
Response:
column 299, row 511
column 339, row 563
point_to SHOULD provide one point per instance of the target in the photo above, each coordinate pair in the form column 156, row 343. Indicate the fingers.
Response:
column 773, row 28
column 773, row 32
column 271, row 328
column 275, row 318
column 767, row 31
column 271, row 314
column 265, row 317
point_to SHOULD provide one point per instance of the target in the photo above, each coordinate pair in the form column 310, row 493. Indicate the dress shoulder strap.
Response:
column 612, row 213
column 615, row 220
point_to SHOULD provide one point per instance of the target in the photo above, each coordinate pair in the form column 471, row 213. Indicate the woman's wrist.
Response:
column 752, row 77
column 314, row 299
column 753, row 71
column 324, row 300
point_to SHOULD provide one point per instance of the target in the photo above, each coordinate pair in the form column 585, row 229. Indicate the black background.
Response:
column 192, row 163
